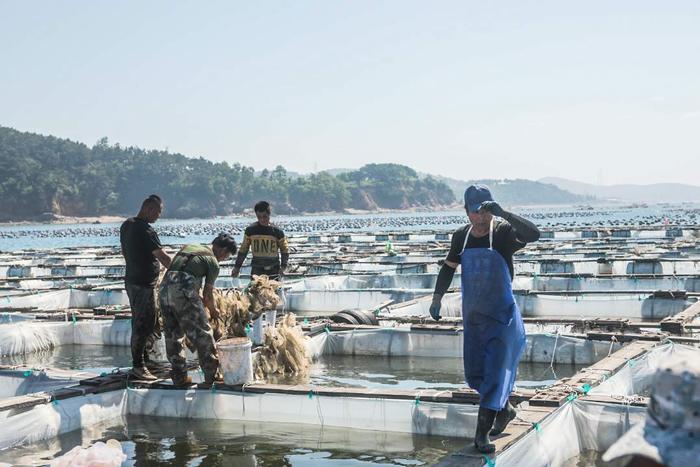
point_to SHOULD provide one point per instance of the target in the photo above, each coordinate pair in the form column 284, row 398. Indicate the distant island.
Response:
column 42, row 177
column 649, row 193
column 520, row 192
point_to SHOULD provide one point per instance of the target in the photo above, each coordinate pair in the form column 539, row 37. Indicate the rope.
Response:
column 554, row 352
column 319, row 411
column 243, row 396
column 613, row 340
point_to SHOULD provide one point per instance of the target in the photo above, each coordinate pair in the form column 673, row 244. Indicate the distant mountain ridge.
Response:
column 652, row 193
column 519, row 192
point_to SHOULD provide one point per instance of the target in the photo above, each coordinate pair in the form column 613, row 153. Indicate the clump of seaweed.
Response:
column 284, row 350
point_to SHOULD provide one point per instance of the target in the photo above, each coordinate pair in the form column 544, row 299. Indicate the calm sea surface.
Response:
column 41, row 236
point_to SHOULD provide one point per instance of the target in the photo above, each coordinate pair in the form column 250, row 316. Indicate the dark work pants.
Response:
column 271, row 272
column 143, row 321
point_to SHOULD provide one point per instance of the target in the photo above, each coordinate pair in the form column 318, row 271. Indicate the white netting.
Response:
column 402, row 341
column 100, row 454
column 635, row 378
column 576, row 427
column 32, row 336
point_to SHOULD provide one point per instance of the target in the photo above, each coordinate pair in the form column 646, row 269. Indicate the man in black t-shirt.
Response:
column 143, row 255
column 494, row 335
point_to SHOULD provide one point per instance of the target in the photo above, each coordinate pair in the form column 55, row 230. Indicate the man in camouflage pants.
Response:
column 183, row 309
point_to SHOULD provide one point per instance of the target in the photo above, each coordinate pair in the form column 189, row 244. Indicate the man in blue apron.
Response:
column 494, row 335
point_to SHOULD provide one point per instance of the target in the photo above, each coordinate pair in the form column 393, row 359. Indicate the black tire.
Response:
column 363, row 317
column 344, row 318
column 372, row 318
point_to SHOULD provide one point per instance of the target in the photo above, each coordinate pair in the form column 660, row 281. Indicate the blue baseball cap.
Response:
column 475, row 195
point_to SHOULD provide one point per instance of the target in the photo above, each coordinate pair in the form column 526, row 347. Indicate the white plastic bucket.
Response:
column 259, row 326
column 236, row 360
column 270, row 317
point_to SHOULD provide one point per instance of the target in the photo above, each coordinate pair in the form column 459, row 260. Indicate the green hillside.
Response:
column 45, row 174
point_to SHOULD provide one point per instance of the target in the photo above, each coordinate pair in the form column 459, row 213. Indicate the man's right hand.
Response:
column 235, row 272
column 435, row 307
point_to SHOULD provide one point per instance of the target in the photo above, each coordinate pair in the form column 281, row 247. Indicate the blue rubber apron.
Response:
column 494, row 334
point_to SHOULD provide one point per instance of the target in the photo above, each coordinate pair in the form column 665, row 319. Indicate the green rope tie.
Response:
column 306, row 321
column 632, row 362
column 27, row 373
column 75, row 320
column 490, row 462
column 417, row 401
column 247, row 328
column 328, row 331
column 536, row 426
column 311, row 394
column 54, row 402
column 571, row 397
column 586, row 388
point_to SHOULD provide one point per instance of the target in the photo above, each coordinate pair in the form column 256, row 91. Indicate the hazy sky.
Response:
column 598, row 91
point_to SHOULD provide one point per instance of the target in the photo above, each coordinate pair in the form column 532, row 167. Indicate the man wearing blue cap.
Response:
column 494, row 334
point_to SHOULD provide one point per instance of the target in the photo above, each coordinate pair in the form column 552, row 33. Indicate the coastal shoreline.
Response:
column 111, row 219
column 62, row 220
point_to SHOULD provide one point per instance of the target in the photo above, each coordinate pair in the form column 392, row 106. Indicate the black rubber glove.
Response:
column 494, row 208
column 435, row 307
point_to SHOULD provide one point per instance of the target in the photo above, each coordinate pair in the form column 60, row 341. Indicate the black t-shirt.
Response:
column 139, row 240
column 504, row 242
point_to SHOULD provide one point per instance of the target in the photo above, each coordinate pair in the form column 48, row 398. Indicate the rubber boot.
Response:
column 503, row 418
column 484, row 422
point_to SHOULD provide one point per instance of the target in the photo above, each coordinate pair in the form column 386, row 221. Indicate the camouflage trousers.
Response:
column 144, row 318
column 184, row 315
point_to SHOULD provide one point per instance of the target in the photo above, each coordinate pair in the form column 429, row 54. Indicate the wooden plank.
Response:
column 24, row 402
column 676, row 324
column 466, row 396
column 523, row 424
column 558, row 393
column 636, row 401
column 625, row 337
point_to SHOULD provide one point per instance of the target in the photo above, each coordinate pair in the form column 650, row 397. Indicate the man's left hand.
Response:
column 492, row 207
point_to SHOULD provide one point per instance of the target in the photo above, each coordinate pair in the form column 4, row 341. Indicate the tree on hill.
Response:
column 43, row 174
